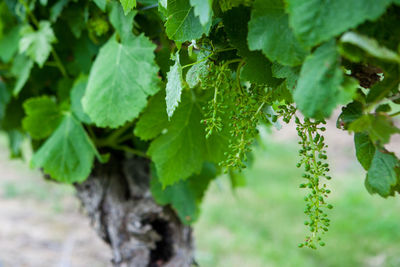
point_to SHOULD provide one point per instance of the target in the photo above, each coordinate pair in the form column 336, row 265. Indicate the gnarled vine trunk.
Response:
column 140, row 232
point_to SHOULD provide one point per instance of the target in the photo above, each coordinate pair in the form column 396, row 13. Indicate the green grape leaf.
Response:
column 269, row 31
column 102, row 4
column 371, row 46
column 42, row 116
column 37, row 44
column 317, row 92
column 154, row 118
column 383, row 174
column 290, row 74
column 76, row 95
column 365, row 149
column 182, row 25
column 76, row 17
column 198, row 72
column 258, row 70
column 315, row 21
column 229, row 4
column 128, row 5
column 122, row 77
column 184, row 196
column 57, row 8
column 68, row 155
column 235, row 26
column 4, row 99
column 122, row 23
column 181, row 151
column 9, row 44
column 203, row 10
column 379, row 127
column 21, row 69
column 174, row 86
column 350, row 113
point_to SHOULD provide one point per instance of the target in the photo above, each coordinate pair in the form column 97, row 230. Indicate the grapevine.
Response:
column 90, row 80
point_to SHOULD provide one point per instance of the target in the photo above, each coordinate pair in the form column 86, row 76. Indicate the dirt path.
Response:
column 40, row 222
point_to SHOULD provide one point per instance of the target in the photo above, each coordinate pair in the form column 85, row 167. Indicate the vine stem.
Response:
column 394, row 114
column 197, row 62
column 53, row 52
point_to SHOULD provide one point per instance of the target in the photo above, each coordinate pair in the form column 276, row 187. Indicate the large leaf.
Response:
column 383, row 174
column 42, row 116
column 37, row 44
column 365, row 149
column 317, row 92
column 122, row 77
column 182, row 24
column 269, row 31
column 180, row 152
column 315, row 21
column 67, row 156
column 174, row 86
column 184, row 196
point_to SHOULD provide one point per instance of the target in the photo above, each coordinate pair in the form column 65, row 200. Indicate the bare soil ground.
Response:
column 41, row 223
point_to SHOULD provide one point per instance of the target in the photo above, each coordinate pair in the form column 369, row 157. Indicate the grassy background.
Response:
column 261, row 225
column 256, row 226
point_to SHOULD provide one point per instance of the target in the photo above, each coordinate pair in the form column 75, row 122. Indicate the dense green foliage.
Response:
column 187, row 83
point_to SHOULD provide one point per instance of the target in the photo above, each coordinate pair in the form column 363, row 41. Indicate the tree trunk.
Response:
column 140, row 232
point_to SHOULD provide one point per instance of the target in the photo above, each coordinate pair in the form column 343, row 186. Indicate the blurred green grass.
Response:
column 261, row 224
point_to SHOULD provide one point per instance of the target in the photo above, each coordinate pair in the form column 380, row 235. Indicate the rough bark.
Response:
column 141, row 233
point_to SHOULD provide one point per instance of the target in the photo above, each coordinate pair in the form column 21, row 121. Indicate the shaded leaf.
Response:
column 154, row 118
column 184, row 196
column 42, row 116
column 318, row 88
column 365, row 149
